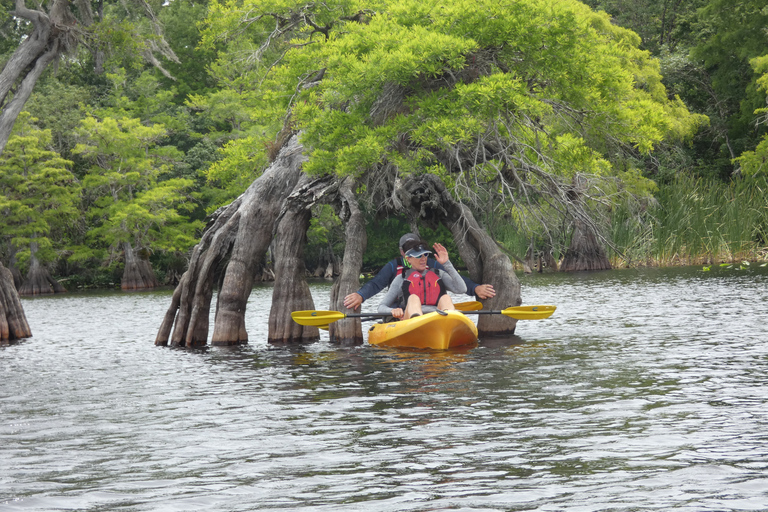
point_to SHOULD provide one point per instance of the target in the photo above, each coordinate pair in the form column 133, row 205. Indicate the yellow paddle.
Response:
column 324, row 318
column 522, row 312
column 468, row 306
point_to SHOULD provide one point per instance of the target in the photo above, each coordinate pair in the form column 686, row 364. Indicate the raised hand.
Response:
column 441, row 254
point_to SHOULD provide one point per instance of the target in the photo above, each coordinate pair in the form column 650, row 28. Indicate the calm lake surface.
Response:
column 647, row 390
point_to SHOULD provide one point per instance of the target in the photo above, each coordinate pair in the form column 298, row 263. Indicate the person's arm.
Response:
column 452, row 280
column 372, row 287
column 433, row 263
column 480, row 291
column 450, row 276
column 391, row 300
column 470, row 284
column 381, row 281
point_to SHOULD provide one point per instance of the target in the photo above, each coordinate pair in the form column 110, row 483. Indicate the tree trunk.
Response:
column 50, row 36
column 18, row 279
column 549, row 260
column 291, row 291
column 429, row 200
column 39, row 280
column 138, row 273
column 243, row 229
column 13, row 322
column 585, row 251
column 350, row 331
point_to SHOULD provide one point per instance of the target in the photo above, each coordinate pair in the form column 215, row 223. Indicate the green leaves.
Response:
column 130, row 200
column 445, row 74
column 38, row 193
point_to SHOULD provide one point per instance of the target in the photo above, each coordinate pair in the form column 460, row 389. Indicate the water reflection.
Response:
column 647, row 390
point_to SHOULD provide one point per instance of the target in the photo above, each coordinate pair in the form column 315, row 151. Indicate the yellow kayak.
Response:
column 437, row 330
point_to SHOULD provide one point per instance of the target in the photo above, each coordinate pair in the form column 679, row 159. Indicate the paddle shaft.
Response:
column 361, row 315
column 324, row 318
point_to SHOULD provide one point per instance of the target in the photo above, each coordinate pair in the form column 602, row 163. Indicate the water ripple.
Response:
column 645, row 391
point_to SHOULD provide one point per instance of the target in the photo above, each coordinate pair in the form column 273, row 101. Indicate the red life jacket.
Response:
column 426, row 287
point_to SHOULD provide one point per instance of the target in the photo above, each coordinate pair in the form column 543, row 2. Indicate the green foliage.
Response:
column 58, row 107
column 731, row 35
column 180, row 20
column 696, row 221
column 754, row 162
column 474, row 69
column 38, row 193
column 129, row 199
column 658, row 23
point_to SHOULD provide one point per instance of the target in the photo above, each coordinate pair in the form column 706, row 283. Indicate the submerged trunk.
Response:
column 291, row 291
column 487, row 264
column 13, row 322
column 549, row 260
column 242, row 232
column 585, row 251
column 277, row 205
column 350, row 331
column 429, row 201
column 138, row 273
column 39, row 280
column 18, row 279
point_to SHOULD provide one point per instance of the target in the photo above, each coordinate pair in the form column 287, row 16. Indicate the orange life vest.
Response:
column 426, row 287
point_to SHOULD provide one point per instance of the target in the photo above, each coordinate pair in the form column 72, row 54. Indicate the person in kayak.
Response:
column 388, row 272
column 420, row 288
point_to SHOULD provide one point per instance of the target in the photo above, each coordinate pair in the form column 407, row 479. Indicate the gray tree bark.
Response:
column 39, row 281
column 51, row 35
column 585, row 251
column 350, row 331
column 13, row 322
column 291, row 291
column 138, row 273
column 232, row 247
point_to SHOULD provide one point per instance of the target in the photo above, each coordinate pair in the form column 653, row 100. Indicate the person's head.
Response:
column 416, row 253
column 405, row 239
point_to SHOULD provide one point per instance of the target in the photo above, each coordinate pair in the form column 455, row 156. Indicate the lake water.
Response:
column 647, row 390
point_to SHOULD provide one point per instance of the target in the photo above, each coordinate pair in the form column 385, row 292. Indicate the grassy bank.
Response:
column 696, row 221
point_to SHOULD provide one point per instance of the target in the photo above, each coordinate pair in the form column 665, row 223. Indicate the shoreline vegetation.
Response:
column 699, row 222
column 689, row 222
column 541, row 117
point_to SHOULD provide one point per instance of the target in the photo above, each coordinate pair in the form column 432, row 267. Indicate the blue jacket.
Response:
column 388, row 272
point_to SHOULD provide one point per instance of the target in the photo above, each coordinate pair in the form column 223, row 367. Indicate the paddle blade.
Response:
column 529, row 312
column 316, row 318
column 468, row 306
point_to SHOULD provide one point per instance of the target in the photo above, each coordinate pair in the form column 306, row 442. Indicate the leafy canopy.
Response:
column 38, row 193
column 552, row 84
column 131, row 199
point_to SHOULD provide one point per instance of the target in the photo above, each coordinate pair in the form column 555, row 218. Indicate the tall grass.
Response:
column 697, row 221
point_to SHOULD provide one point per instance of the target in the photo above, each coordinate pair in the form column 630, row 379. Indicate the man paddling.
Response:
column 388, row 272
